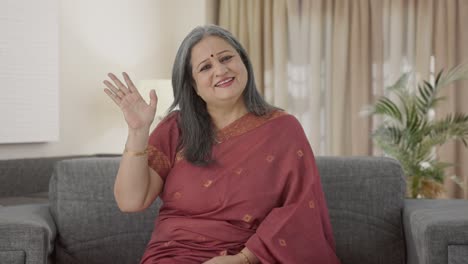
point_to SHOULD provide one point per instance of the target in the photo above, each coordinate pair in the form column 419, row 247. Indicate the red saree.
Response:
column 263, row 193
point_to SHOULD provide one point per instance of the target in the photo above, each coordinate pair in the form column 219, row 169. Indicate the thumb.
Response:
column 153, row 98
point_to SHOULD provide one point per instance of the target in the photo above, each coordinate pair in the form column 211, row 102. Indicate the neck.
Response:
column 223, row 116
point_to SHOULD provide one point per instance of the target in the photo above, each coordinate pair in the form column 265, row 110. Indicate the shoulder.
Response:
column 284, row 119
column 275, row 120
column 169, row 126
column 171, row 117
column 169, row 121
column 286, row 126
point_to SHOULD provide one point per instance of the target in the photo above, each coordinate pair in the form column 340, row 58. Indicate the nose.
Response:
column 220, row 69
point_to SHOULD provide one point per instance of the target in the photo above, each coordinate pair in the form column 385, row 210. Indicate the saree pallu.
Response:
column 262, row 192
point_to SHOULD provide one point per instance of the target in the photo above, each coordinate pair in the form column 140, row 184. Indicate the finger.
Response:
column 129, row 82
column 116, row 91
column 118, row 83
column 153, row 98
column 114, row 97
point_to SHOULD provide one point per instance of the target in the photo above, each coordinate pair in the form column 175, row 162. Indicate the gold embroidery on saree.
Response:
column 245, row 124
column 158, row 160
column 282, row 242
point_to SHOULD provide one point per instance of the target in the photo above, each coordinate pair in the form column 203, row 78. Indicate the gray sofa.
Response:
column 372, row 221
column 25, row 220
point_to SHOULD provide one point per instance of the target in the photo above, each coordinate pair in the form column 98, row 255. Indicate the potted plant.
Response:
column 410, row 133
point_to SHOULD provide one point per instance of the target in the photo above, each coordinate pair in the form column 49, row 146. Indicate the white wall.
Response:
column 29, row 71
column 96, row 37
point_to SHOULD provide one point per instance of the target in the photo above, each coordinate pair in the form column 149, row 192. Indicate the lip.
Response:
column 226, row 84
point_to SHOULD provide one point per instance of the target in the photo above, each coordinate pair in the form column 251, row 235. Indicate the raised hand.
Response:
column 138, row 114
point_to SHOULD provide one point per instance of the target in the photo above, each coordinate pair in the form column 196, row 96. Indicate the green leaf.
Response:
column 386, row 107
column 409, row 136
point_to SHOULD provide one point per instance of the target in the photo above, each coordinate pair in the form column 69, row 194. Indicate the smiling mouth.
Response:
column 225, row 83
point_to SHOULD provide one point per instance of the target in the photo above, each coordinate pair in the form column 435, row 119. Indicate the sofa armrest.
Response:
column 436, row 231
column 91, row 228
column 27, row 233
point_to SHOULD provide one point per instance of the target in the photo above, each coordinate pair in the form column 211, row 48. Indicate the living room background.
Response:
column 97, row 37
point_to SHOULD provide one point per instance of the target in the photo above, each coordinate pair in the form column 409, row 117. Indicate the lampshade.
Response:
column 163, row 88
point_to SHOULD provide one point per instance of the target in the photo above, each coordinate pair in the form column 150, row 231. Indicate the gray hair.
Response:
column 197, row 133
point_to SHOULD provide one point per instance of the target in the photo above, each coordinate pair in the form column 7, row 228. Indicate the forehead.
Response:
column 209, row 45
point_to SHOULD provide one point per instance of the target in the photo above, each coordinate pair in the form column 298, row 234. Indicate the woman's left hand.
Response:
column 225, row 260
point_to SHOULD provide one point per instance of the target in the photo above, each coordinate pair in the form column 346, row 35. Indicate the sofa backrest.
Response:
column 29, row 175
column 90, row 227
column 26, row 176
column 365, row 197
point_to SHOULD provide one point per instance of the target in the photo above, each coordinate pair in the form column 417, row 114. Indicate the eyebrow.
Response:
column 209, row 58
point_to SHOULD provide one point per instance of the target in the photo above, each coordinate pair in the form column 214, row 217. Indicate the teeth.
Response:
column 225, row 81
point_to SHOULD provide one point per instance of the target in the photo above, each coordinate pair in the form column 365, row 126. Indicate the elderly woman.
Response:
column 237, row 176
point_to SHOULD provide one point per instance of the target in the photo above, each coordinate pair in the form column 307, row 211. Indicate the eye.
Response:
column 205, row 67
column 226, row 58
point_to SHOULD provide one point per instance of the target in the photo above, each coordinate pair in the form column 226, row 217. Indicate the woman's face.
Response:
column 218, row 71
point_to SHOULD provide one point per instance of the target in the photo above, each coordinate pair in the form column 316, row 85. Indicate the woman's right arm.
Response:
column 136, row 184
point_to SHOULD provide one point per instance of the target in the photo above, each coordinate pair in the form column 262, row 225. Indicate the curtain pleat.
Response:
column 324, row 60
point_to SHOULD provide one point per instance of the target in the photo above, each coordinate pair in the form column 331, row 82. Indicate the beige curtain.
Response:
column 449, row 39
column 427, row 36
column 324, row 60
column 303, row 47
column 329, row 73
column 261, row 28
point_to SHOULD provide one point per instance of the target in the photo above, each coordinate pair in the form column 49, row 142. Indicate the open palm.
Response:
column 138, row 114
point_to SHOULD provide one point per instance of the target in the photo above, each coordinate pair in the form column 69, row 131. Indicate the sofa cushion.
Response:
column 34, row 198
column 12, row 256
column 457, row 254
column 92, row 228
column 30, row 175
column 437, row 230
column 365, row 197
column 24, row 176
column 29, row 229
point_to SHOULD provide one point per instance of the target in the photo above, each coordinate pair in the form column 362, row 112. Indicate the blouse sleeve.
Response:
column 162, row 145
column 298, row 231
